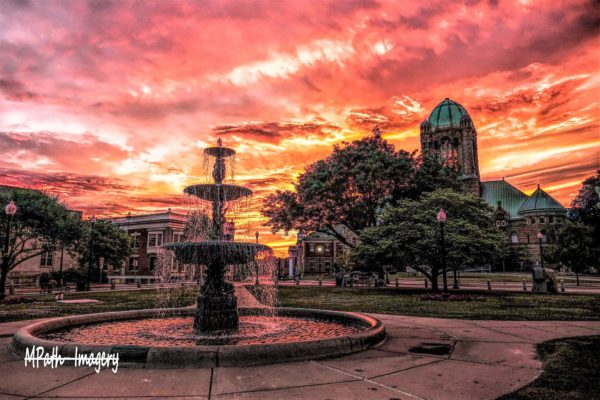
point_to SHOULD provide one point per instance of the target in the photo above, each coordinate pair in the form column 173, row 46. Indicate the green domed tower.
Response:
column 449, row 134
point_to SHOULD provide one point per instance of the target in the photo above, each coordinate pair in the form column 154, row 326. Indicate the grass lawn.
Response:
column 484, row 305
column 571, row 371
column 45, row 306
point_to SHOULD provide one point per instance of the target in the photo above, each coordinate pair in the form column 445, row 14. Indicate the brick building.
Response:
column 149, row 232
column 450, row 135
column 317, row 252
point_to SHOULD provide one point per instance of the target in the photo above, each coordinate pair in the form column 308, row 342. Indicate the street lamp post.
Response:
column 11, row 210
column 320, row 253
column 540, row 236
column 256, row 234
column 91, row 253
column 441, row 217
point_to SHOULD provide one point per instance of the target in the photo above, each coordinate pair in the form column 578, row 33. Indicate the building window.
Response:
column 155, row 239
column 46, row 259
column 528, row 239
column 550, row 219
column 542, row 220
column 135, row 241
column 152, row 264
column 514, row 238
column 311, row 248
column 532, row 219
column 133, row 264
column 178, row 237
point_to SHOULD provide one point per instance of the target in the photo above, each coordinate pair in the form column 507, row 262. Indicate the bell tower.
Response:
column 450, row 136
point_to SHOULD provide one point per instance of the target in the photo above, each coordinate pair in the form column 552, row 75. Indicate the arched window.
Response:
column 514, row 238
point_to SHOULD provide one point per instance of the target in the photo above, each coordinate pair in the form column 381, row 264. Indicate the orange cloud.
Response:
column 112, row 106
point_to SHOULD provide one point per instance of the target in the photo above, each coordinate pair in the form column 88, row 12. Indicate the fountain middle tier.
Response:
column 218, row 192
column 210, row 251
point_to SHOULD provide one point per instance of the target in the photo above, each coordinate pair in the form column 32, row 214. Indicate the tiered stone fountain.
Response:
column 217, row 305
column 223, row 334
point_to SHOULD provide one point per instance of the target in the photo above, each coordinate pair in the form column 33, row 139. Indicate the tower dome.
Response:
column 450, row 136
column 448, row 114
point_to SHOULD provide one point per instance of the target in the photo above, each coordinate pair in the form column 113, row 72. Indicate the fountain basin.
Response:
column 206, row 356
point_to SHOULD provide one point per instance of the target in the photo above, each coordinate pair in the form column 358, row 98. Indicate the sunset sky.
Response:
column 109, row 104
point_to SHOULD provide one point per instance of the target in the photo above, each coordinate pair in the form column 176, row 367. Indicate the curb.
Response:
column 205, row 356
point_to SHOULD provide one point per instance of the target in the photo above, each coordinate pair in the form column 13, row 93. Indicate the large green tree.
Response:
column 408, row 235
column 351, row 186
column 585, row 207
column 102, row 240
column 37, row 227
column 574, row 247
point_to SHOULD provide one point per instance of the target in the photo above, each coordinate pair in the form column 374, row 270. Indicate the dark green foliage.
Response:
column 107, row 241
column 351, row 186
column 585, row 207
column 408, row 235
column 574, row 247
column 41, row 224
column 69, row 275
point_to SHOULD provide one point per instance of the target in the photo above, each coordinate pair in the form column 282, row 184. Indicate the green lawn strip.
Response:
column 45, row 306
column 571, row 371
column 484, row 305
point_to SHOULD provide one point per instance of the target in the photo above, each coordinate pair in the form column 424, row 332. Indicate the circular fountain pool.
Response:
column 165, row 338
column 178, row 331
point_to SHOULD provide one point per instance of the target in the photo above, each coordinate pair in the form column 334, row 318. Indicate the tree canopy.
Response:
column 574, row 247
column 351, row 186
column 107, row 241
column 42, row 223
column 585, row 207
column 408, row 235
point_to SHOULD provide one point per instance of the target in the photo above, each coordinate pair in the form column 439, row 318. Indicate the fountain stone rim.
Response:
column 208, row 356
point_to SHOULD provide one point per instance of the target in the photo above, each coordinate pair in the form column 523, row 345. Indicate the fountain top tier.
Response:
column 218, row 192
column 219, row 151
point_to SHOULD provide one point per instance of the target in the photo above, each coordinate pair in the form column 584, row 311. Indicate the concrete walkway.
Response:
column 423, row 358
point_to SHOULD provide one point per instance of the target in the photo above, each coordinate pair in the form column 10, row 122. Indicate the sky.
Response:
column 109, row 104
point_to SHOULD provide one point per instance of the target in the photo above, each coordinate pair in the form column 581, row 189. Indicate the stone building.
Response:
column 149, row 232
column 317, row 252
column 450, row 135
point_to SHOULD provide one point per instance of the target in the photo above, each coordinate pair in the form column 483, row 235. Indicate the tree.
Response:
column 69, row 231
column 585, row 207
column 574, row 247
column 351, row 186
column 409, row 235
column 104, row 240
column 35, row 229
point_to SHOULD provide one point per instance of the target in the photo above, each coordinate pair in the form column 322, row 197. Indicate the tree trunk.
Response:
column 577, row 276
column 3, row 277
column 434, row 280
column 60, row 278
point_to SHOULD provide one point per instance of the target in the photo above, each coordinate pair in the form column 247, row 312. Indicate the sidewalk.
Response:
column 484, row 360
